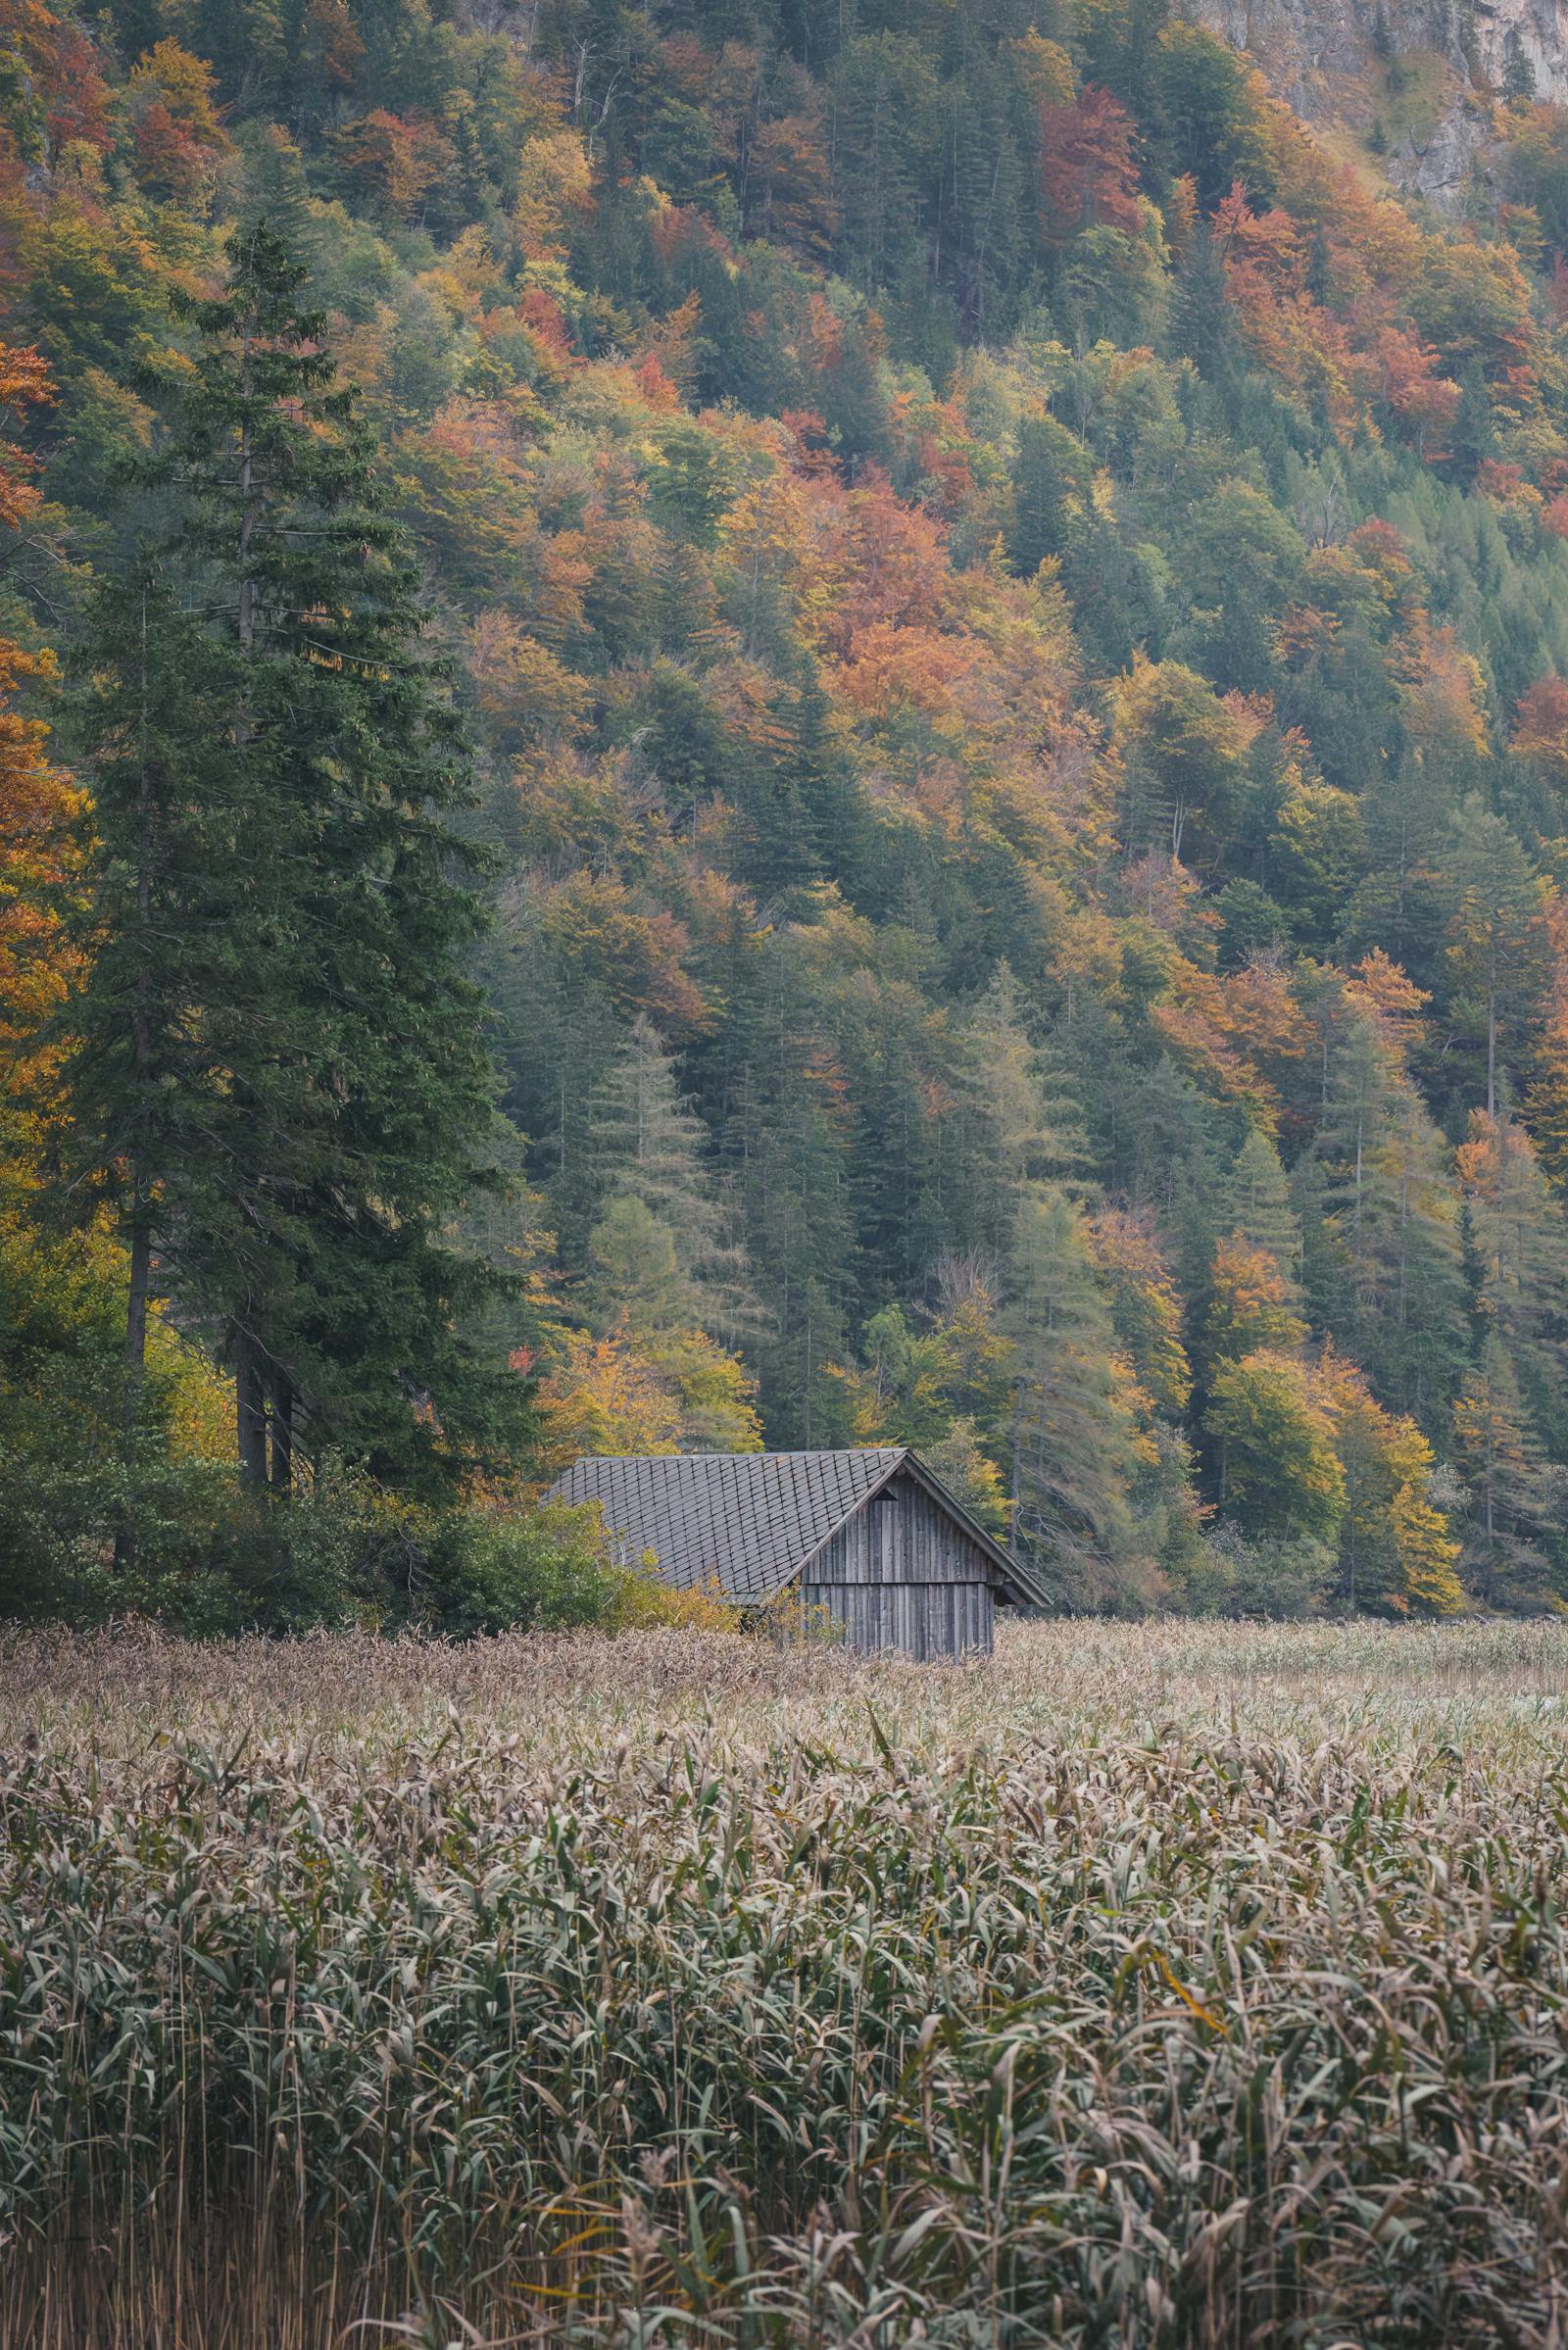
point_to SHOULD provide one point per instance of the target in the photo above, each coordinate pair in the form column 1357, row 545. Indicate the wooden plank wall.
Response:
column 902, row 1576
column 924, row 1620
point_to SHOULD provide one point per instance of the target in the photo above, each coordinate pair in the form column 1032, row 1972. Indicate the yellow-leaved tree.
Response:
column 1397, row 1553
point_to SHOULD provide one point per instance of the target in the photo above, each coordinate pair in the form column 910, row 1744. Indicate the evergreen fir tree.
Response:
column 1011, row 1123
column 1516, row 1238
column 1203, row 326
column 1258, row 1201
column 1518, row 74
column 281, row 1073
column 179, row 881
column 1382, row 1246
column 1396, row 906
column 1509, row 1489
column 1496, row 939
column 1077, row 1445
column 663, row 1231
column 784, row 1137
column 1360, row 1098
column 1415, row 1342
column 1475, row 433
column 276, row 193
column 1051, row 476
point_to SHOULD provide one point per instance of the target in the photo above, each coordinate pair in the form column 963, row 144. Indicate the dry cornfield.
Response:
column 1147, row 1985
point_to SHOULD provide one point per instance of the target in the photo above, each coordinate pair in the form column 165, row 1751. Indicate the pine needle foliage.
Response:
column 281, row 1074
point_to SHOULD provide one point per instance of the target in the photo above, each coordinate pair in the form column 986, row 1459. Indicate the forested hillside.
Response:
column 1006, row 601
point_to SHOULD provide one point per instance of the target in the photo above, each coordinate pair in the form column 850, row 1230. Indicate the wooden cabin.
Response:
column 871, row 1536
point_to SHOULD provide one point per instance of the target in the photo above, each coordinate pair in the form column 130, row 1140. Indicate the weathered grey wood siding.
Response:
column 902, row 1574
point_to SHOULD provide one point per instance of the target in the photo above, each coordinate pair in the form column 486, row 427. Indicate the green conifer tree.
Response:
column 1258, row 1201
column 282, row 1076
column 1011, row 1122
column 665, row 1233
column 1516, row 1247
column 1052, row 475
column 1510, row 1490
column 1495, row 941
column 1202, row 323
column 1077, row 1445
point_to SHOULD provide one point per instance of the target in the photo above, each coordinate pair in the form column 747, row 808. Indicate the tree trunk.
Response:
column 250, row 1407
column 247, row 520
column 283, row 1429
column 141, row 1236
column 250, row 1394
column 141, row 1262
column 141, row 1270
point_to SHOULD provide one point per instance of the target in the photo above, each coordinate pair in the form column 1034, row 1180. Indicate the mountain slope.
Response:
column 1012, row 599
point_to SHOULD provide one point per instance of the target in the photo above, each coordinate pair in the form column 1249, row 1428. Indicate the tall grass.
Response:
column 1150, row 1985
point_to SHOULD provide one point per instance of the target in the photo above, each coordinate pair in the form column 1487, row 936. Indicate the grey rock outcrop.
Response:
column 1319, row 55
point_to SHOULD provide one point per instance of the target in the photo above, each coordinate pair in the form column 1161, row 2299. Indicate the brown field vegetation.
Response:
column 1150, row 1985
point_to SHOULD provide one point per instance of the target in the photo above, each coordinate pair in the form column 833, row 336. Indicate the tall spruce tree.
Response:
column 1496, row 942
column 281, row 1073
column 1516, row 1248
column 1510, row 1487
column 177, row 896
column 1258, row 1201
column 1076, row 1444
column 659, row 1200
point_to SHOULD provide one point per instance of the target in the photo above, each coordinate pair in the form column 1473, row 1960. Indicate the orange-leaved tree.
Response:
column 39, row 804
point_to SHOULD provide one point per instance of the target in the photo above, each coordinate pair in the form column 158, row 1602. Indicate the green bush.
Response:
column 64, row 1509
column 200, row 1552
column 1267, row 1575
column 544, row 1569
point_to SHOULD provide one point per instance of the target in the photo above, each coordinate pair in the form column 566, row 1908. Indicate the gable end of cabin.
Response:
column 903, row 1573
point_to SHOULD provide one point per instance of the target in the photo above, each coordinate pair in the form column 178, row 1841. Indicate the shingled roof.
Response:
column 750, row 1520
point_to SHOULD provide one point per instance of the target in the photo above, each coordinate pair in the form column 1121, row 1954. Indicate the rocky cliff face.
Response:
column 1426, row 73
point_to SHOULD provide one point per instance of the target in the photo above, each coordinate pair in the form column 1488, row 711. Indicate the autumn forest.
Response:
column 760, row 722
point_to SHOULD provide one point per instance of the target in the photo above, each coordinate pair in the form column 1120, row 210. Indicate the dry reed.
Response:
column 1152, row 1986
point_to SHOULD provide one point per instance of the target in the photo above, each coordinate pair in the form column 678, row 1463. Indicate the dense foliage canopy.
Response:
column 986, row 614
